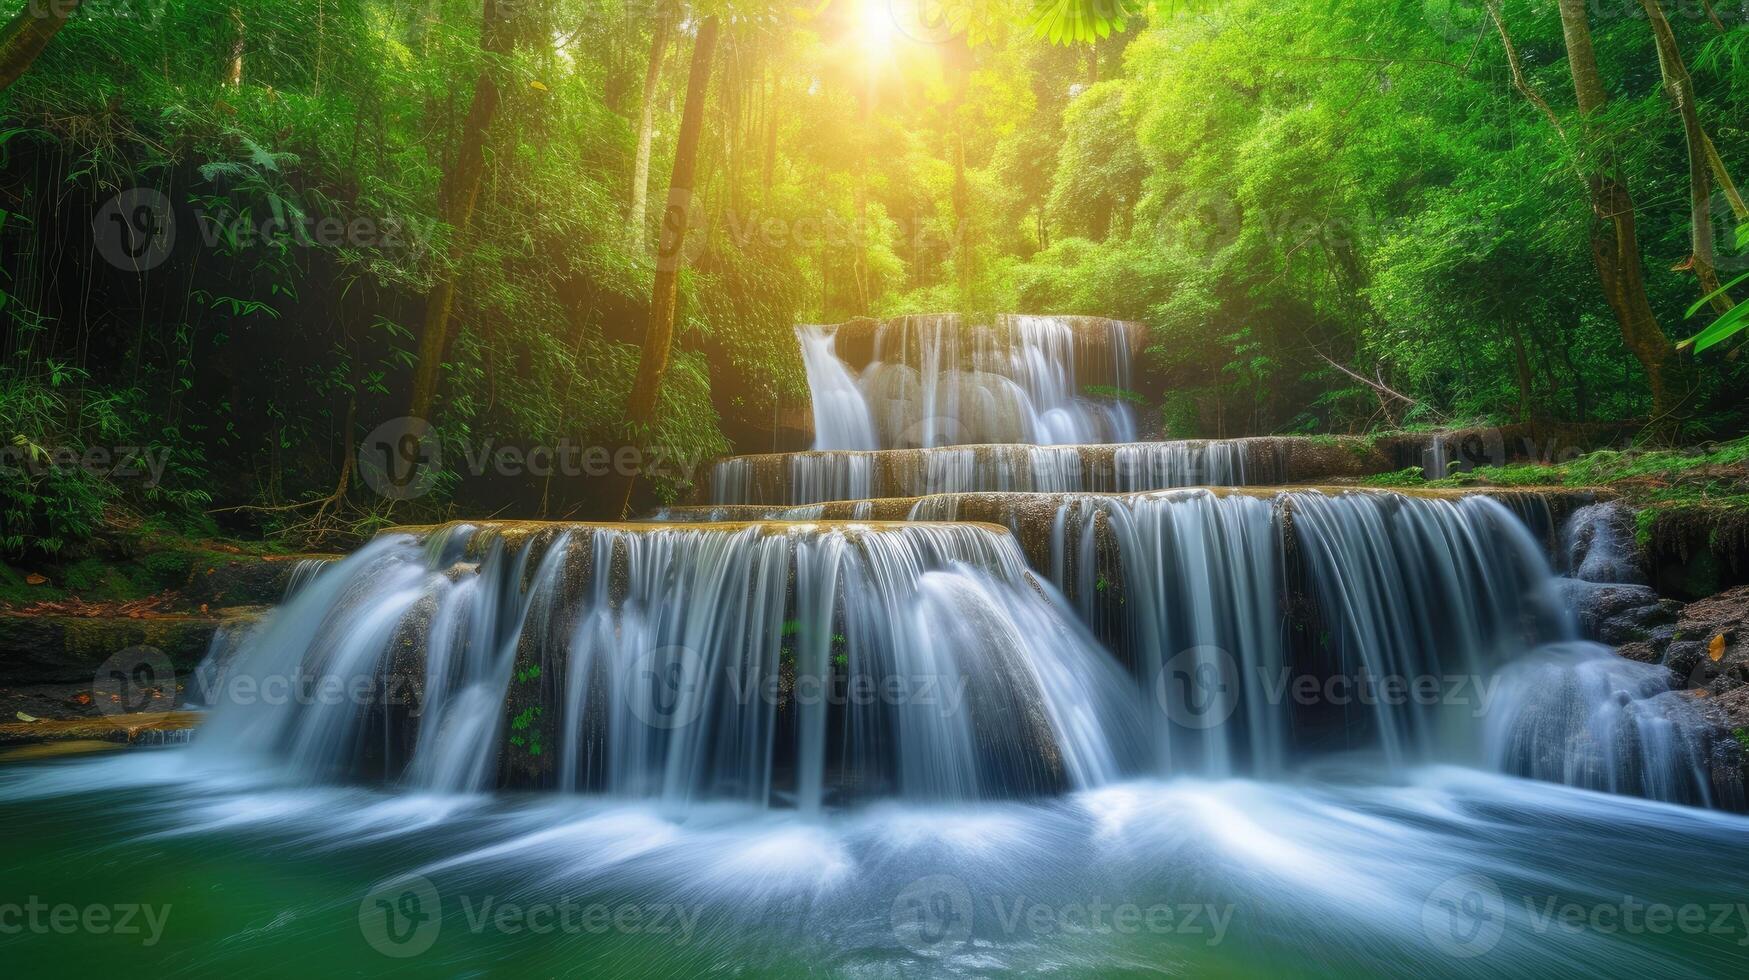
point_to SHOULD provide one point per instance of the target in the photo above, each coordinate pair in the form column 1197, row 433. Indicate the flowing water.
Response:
column 1031, row 780
column 1180, row 732
column 934, row 381
column 817, row 477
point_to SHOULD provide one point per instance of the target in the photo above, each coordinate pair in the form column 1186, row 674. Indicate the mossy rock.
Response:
column 69, row 649
column 1694, row 550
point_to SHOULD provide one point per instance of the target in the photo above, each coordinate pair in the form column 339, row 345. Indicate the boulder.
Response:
column 1621, row 614
column 51, row 649
column 1714, row 638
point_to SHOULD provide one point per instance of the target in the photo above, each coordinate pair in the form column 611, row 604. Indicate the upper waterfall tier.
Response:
column 922, row 381
column 817, row 477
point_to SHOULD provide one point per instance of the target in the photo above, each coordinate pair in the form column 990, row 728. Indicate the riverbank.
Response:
column 135, row 583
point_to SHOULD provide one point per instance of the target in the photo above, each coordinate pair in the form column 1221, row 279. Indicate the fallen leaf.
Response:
column 1716, row 649
column 24, row 717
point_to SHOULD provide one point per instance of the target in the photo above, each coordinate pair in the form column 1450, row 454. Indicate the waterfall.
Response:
column 1187, row 587
column 932, row 381
column 1412, row 588
column 841, row 417
column 303, row 573
column 1597, row 545
column 819, row 477
column 763, row 662
column 1242, row 598
column 1577, row 713
column 1181, row 632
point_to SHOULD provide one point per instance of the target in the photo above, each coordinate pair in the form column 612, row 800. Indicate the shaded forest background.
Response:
column 242, row 236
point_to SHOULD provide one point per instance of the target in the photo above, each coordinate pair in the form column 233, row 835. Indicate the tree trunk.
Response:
column 234, row 68
column 1615, row 244
column 27, row 34
column 1701, row 157
column 771, row 117
column 460, row 192
column 646, row 127
column 962, row 218
column 659, row 334
column 1521, row 371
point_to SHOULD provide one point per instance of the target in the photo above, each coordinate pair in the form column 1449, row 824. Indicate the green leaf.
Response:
column 1704, row 300
column 1721, row 329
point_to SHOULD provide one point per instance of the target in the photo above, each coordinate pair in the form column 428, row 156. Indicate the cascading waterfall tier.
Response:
column 924, row 381
column 1545, row 511
column 1241, row 594
column 817, row 477
column 763, row 662
column 1178, row 632
column 790, row 479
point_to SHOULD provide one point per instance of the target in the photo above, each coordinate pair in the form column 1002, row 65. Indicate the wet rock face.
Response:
column 1597, row 545
column 1621, row 614
column 39, row 649
column 1704, row 644
column 250, row 582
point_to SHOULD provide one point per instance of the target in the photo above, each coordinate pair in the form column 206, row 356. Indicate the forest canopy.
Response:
column 242, row 235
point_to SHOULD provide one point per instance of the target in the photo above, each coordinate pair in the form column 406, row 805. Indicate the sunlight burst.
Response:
column 875, row 27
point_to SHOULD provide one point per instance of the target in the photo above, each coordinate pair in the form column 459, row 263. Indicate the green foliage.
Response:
column 1080, row 21
column 1710, row 474
column 1728, row 325
column 1304, row 202
column 1363, row 183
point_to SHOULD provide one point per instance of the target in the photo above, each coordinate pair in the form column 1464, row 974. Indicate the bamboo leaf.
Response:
column 1704, row 300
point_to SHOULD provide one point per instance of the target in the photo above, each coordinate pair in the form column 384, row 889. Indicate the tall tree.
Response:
column 1615, row 243
column 28, row 33
column 1702, row 158
column 665, row 17
column 665, row 295
column 460, row 192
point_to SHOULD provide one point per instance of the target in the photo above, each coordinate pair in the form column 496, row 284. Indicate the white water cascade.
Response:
column 812, row 664
column 765, row 663
column 928, row 711
column 934, row 381
column 818, row 477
